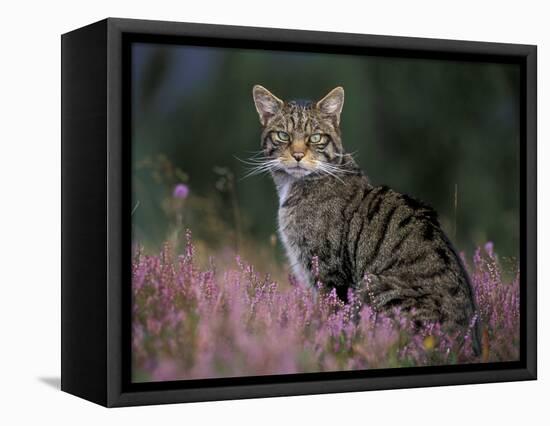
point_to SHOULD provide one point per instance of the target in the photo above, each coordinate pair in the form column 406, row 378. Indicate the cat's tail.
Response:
column 475, row 333
column 475, row 322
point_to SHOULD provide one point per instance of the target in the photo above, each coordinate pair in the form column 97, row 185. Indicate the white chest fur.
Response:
column 292, row 250
column 284, row 188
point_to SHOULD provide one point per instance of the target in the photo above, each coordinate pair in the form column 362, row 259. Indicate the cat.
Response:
column 386, row 246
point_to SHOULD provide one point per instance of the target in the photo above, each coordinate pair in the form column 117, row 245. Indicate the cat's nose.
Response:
column 298, row 156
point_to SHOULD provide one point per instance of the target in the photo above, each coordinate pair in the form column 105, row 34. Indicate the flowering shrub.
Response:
column 181, row 191
column 192, row 323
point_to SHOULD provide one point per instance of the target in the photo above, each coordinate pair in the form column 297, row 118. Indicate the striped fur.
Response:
column 387, row 246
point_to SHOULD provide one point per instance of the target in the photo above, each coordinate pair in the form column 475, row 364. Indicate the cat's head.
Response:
column 300, row 137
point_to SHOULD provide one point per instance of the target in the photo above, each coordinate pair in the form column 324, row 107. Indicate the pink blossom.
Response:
column 192, row 322
column 181, row 191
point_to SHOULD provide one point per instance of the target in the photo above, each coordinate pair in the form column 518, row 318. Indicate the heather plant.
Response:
column 193, row 322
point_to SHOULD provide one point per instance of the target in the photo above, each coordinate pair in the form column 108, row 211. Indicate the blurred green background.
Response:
column 442, row 131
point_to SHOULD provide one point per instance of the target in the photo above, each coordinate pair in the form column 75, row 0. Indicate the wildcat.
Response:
column 387, row 246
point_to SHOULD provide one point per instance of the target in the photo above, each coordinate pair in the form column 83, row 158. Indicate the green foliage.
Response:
column 420, row 126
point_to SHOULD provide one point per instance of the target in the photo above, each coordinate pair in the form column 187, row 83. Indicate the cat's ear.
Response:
column 267, row 104
column 333, row 103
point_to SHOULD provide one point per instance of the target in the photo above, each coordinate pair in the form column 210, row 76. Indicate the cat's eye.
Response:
column 315, row 138
column 284, row 136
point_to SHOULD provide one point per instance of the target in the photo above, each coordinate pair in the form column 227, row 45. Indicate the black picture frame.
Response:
column 96, row 214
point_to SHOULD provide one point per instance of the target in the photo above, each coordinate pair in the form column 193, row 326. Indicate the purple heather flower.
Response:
column 198, row 322
column 181, row 191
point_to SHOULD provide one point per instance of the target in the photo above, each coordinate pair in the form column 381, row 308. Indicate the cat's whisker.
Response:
column 254, row 173
column 262, row 163
column 332, row 170
column 335, row 177
column 255, row 152
column 261, row 168
column 337, row 169
column 257, row 155
column 344, row 154
column 253, row 161
column 343, row 170
column 322, row 167
column 345, row 163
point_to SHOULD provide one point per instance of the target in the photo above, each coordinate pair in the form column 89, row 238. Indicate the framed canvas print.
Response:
column 251, row 212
